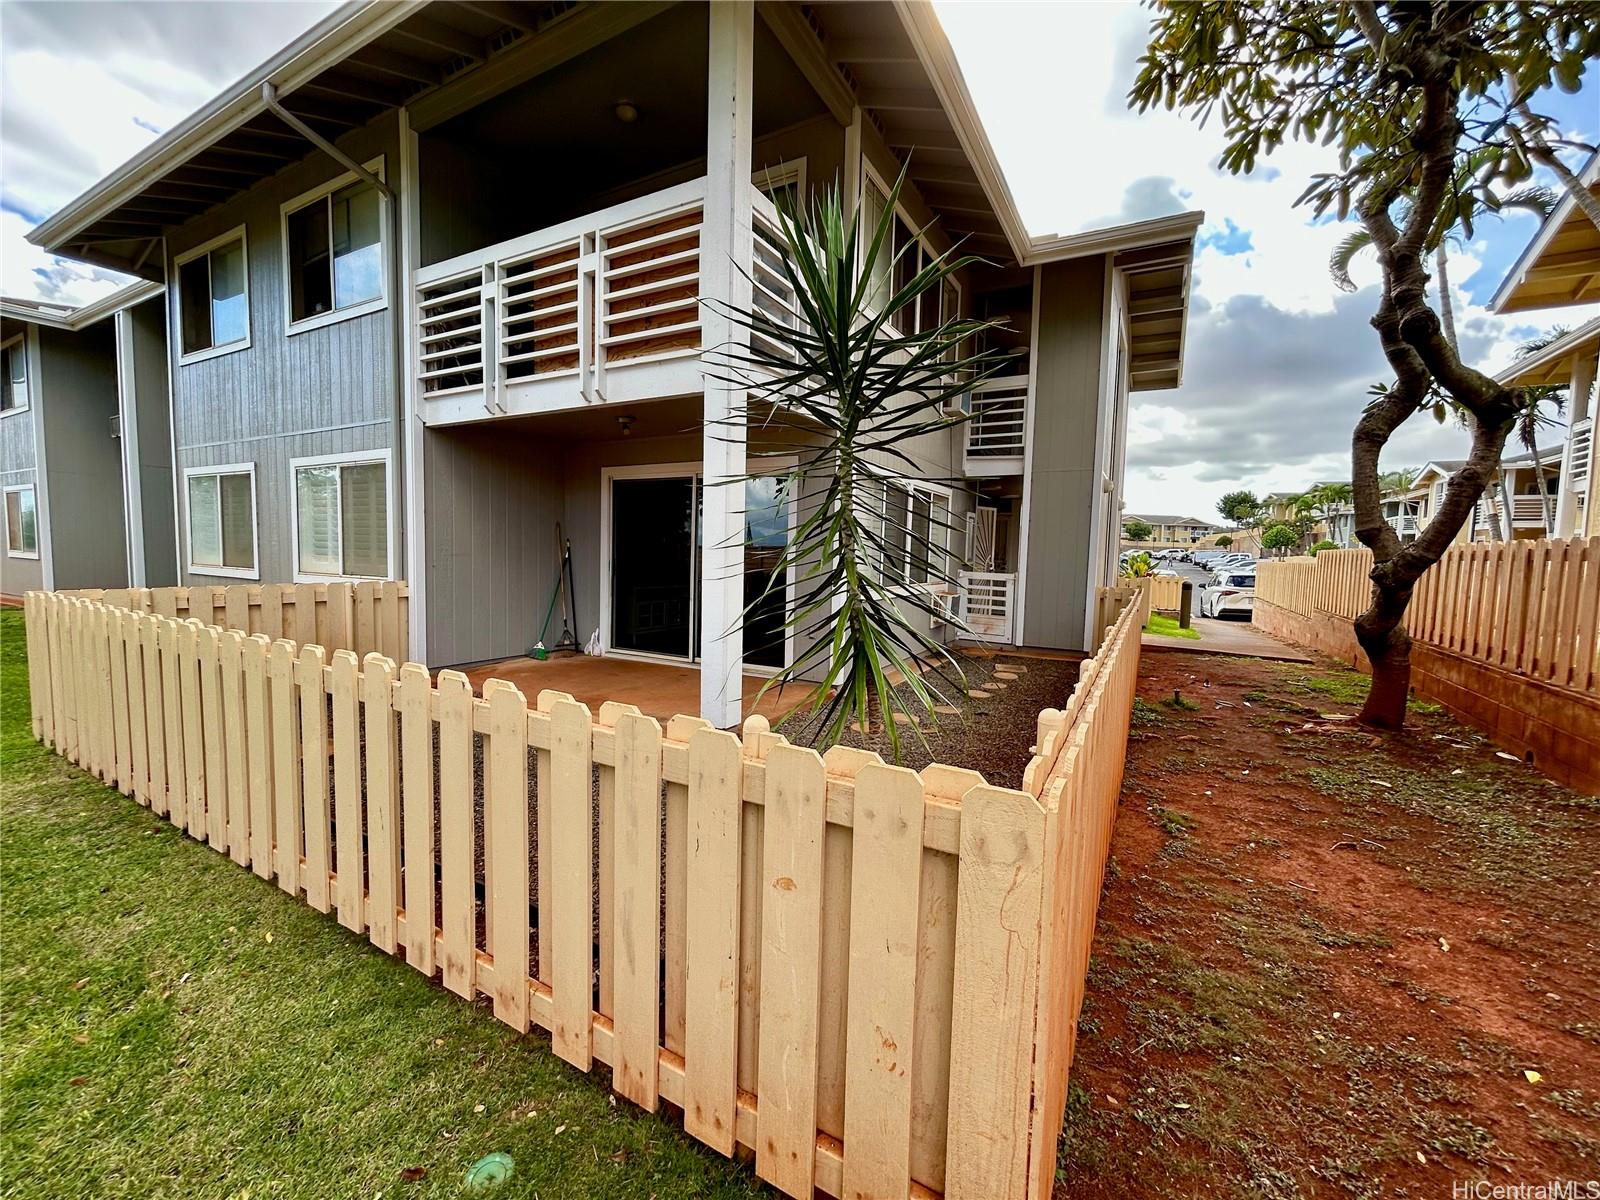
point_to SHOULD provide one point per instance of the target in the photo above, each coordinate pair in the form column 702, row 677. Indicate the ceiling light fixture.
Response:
column 627, row 112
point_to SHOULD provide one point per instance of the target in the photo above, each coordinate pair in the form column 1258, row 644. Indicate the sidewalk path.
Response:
column 1218, row 636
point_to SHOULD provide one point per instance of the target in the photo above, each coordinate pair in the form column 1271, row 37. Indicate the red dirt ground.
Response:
column 1326, row 959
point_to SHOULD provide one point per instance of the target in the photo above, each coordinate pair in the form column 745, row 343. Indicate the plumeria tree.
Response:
column 1429, row 108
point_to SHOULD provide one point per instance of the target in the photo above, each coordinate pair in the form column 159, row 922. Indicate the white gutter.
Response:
column 1114, row 239
column 329, row 41
column 74, row 319
column 1564, row 345
column 933, row 49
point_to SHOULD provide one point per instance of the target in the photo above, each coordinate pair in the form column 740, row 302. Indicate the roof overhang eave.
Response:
column 1541, row 366
column 1547, row 230
column 938, row 58
column 81, row 318
column 347, row 28
column 1114, row 239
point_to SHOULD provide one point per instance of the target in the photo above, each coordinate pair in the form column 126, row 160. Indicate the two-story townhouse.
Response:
column 438, row 279
column 1560, row 268
column 85, row 446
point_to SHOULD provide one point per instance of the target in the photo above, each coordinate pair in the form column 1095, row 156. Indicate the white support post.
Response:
column 725, row 240
column 406, row 219
column 128, row 427
column 1583, row 372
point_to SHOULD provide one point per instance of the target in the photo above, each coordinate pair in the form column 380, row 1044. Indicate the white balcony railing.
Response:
column 1527, row 512
column 988, row 605
column 1403, row 523
column 565, row 315
column 995, row 436
column 1578, row 473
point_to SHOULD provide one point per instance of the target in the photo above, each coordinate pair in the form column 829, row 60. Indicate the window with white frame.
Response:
column 902, row 254
column 333, row 250
column 22, row 521
column 341, row 517
column 913, row 522
column 14, row 374
column 214, row 296
column 222, row 520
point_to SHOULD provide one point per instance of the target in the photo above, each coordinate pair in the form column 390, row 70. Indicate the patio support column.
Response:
column 725, row 241
column 1583, row 371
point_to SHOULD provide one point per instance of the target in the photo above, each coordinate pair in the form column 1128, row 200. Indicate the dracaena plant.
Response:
column 850, row 393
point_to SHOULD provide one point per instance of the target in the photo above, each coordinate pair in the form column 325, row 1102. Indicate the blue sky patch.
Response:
column 1229, row 240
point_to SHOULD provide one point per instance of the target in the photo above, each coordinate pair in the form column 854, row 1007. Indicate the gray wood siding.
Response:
column 151, row 409
column 490, row 525
column 78, row 391
column 325, row 390
column 1063, row 477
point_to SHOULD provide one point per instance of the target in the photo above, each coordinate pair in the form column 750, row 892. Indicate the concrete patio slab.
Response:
column 1227, row 637
column 659, row 690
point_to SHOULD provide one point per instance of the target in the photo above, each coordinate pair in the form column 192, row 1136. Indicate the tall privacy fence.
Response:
column 368, row 617
column 870, row 976
column 1529, row 607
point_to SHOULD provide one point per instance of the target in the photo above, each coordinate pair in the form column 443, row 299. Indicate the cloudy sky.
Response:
column 1278, row 360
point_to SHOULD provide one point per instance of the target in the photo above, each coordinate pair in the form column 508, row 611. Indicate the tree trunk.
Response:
column 1447, row 307
column 1538, row 148
column 1387, row 644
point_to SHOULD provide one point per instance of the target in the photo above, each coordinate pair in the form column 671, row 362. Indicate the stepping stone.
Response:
column 948, row 710
column 999, row 685
column 978, row 695
column 901, row 718
column 1008, row 676
column 1014, row 667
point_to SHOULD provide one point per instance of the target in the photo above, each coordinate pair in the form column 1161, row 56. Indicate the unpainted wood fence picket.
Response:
column 869, row 976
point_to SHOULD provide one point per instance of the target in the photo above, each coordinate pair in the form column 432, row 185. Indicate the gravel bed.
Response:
column 994, row 729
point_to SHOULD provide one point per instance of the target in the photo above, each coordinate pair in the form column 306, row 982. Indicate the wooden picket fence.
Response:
column 1111, row 601
column 1166, row 591
column 867, row 975
column 1530, row 607
column 373, row 616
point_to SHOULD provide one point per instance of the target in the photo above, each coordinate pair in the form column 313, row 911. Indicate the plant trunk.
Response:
column 1383, row 636
column 1539, row 149
column 1447, row 308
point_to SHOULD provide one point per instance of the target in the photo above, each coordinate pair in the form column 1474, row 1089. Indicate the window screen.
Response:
column 213, row 298
column 14, row 375
column 335, row 253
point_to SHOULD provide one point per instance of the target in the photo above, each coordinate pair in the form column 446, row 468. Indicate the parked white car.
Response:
column 1231, row 591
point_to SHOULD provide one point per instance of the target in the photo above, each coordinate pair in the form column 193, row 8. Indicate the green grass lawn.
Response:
column 1169, row 627
column 173, row 1026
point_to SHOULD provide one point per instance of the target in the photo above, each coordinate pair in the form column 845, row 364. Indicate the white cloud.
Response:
column 1279, row 361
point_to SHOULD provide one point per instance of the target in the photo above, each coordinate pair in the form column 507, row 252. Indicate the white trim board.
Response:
column 348, row 458
column 308, row 197
column 241, row 234
column 207, row 570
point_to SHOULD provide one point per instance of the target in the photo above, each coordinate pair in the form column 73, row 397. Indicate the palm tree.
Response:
column 858, row 391
column 1541, row 397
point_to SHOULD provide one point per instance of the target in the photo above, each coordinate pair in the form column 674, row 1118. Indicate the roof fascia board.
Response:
column 934, row 51
column 81, row 318
column 1115, row 238
column 1531, row 252
column 1564, row 345
column 333, row 38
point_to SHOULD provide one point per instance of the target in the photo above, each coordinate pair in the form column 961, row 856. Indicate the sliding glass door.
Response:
column 655, row 567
